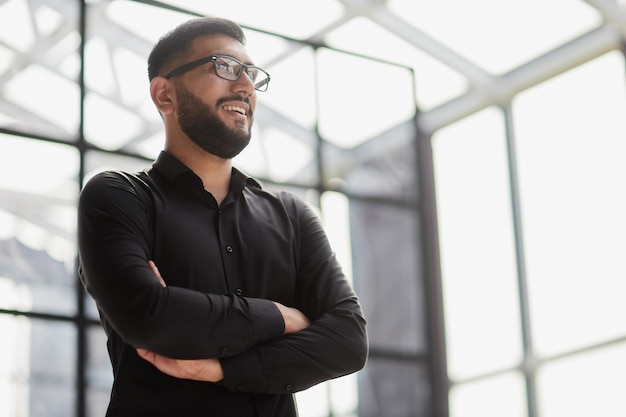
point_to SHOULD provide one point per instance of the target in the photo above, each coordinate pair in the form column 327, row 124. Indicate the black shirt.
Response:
column 223, row 266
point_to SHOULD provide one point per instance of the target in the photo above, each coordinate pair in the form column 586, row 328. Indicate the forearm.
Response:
column 333, row 346
column 173, row 321
column 188, row 325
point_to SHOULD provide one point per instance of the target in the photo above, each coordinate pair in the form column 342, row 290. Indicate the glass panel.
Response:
column 502, row 395
column 344, row 398
column 590, row 384
column 436, row 82
column 39, row 44
column 388, row 275
column 14, row 365
column 477, row 246
column 124, row 14
column 572, row 171
column 97, row 401
column 283, row 145
column 336, row 218
column 392, row 387
column 313, row 402
column 292, row 73
column 96, row 162
column 37, row 367
column 334, row 398
column 305, row 17
column 495, row 34
column 99, row 372
column 382, row 168
column 38, row 193
column 279, row 155
column 116, row 78
column 53, row 365
column 355, row 103
column 91, row 310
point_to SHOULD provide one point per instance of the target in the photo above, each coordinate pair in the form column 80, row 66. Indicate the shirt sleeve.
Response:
column 334, row 345
column 115, row 213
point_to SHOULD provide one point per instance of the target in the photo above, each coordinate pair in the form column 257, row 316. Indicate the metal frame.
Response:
column 487, row 90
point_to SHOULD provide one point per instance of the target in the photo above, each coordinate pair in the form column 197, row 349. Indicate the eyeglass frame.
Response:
column 242, row 68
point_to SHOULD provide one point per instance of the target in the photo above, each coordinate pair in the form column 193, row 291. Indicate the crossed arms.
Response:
column 210, row 370
column 249, row 344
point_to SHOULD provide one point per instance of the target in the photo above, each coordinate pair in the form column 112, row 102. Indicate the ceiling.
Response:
column 467, row 54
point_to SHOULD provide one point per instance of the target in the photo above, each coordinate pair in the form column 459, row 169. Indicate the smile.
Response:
column 236, row 109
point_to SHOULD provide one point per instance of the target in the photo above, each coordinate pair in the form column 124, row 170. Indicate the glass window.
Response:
column 570, row 134
column 99, row 374
column 40, row 48
column 477, row 246
column 585, row 384
column 495, row 35
column 497, row 396
column 355, row 103
column 37, row 225
column 38, row 367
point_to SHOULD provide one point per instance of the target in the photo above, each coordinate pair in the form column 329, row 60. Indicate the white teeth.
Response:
column 236, row 108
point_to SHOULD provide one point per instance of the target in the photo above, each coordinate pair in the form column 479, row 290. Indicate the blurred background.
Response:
column 466, row 156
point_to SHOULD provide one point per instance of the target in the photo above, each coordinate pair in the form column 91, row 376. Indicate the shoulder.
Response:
column 120, row 179
column 111, row 185
column 289, row 201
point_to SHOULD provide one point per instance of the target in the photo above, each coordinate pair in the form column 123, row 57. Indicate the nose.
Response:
column 243, row 85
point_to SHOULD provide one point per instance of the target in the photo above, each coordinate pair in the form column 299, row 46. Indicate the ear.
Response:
column 162, row 93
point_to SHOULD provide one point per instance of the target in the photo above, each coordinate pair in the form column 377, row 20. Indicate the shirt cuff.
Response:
column 245, row 373
column 267, row 322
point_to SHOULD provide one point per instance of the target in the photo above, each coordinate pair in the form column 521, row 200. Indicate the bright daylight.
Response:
column 463, row 158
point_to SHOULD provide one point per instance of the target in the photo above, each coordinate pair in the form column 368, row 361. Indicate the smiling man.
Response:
column 219, row 298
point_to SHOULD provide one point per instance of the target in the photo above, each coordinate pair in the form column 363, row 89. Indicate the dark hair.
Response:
column 177, row 41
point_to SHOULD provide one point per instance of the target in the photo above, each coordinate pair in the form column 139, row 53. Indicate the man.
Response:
column 219, row 298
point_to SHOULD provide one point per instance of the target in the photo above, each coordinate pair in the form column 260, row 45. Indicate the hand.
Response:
column 157, row 273
column 294, row 319
column 208, row 370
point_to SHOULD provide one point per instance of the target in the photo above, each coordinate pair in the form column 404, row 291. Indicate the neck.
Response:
column 215, row 172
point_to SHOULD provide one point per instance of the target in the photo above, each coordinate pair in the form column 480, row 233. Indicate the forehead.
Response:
column 218, row 44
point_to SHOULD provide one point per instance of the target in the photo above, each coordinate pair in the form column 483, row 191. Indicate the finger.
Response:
column 168, row 366
column 145, row 354
column 148, row 356
column 156, row 272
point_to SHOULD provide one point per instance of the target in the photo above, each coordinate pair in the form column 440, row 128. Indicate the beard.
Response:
column 203, row 126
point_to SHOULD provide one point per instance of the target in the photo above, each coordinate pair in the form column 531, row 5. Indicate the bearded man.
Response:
column 219, row 298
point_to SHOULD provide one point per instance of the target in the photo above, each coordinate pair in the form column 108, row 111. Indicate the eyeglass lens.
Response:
column 230, row 69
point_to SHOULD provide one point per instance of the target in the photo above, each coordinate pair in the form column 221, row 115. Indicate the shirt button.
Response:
column 288, row 387
column 229, row 249
column 239, row 291
column 224, row 351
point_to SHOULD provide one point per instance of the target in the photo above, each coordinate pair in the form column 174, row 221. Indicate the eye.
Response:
column 221, row 65
column 252, row 73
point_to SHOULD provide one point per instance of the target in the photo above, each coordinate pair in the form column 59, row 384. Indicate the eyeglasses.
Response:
column 227, row 68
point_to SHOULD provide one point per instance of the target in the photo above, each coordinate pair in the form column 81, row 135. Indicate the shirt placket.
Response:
column 231, row 250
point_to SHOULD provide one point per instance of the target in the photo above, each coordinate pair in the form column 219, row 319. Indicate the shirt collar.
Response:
column 172, row 169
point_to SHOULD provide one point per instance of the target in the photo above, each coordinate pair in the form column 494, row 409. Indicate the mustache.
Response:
column 235, row 97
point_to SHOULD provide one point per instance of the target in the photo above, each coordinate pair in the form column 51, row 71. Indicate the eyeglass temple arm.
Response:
column 188, row 66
